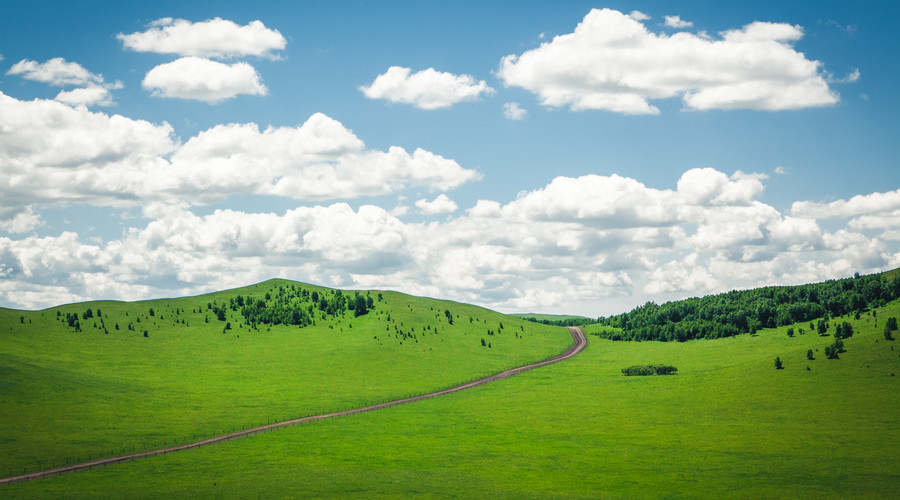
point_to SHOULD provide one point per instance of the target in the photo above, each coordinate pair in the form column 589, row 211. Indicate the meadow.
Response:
column 728, row 424
column 70, row 395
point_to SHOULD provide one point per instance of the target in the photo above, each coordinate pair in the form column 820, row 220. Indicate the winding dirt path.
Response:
column 578, row 336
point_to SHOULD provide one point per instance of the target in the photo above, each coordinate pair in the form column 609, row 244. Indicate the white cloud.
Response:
column 426, row 89
column 779, row 170
column 60, row 73
column 858, row 205
column 851, row 77
column 54, row 154
column 638, row 15
column 612, row 62
column 440, row 205
column 18, row 220
column 56, row 71
column 677, row 22
column 318, row 160
column 213, row 38
column 203, row 80
column 88, row 96
column 559, row 248
column 512, row 111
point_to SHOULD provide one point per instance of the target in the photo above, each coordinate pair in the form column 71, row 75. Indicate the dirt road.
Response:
column 578, row 336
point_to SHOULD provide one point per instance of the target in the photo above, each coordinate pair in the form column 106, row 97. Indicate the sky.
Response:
column 555, row 157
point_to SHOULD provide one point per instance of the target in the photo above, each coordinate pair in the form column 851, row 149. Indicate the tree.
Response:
column 778, row 363
column 809, row 355
column 887, row 333
column 843, row 331
column 822, row 327
column 892, row 323
column 360, row 307
column 790, row 332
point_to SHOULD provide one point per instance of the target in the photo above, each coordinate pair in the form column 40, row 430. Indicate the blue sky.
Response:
column 568, row 157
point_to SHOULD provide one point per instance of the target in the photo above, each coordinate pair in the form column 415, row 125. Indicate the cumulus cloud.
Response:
column 61, row 73
column 426, row 89
column 54, row 154
column 638, row 15
column 203, row 80
column 512, row 111
column 56, row 71
column 541, row 251
column 440, row 205
column 213, row 38
column 612, row 62
column 88, row 96
column 857, row 205
column 677, row 22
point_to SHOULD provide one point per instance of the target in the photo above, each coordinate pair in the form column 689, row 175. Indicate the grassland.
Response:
column 72, row 395
column 727, row 425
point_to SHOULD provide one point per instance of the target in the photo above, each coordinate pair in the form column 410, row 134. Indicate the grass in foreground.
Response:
column 106, row 391
column 727, row 425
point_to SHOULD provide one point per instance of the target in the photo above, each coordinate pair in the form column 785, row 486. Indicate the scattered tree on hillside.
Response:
column 809, row 355
column 778, row 363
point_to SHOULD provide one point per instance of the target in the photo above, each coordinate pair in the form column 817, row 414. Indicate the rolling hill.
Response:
column 729, row 424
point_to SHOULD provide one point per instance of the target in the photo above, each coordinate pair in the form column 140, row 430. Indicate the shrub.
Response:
column 778, row 365
column 644, row 370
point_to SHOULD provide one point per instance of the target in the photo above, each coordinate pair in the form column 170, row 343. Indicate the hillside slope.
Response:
column 130, row 376
column 728, row 425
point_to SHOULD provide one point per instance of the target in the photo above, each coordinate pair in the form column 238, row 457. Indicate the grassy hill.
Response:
column 102, row 386
column 729, row 424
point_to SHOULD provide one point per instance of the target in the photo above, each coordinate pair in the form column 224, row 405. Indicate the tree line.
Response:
column 737, row 312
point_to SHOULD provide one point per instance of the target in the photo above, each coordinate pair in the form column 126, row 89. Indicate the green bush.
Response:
column 644, row 370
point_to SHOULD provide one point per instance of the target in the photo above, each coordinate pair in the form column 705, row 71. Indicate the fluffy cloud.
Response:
column 677, row 22
column 638, row 15
column 512, row 111
column 318, row 160
column 612, row 62
column 203, row 80
column 214, row 38
column 88, row 96
column 537, row 252
column 427, row 89
column 53, row 154
column 56, row 71
column 60, row 73
column 440, row 205
column 858, row 205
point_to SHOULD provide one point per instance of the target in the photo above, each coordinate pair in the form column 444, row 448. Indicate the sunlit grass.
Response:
column 69, row 396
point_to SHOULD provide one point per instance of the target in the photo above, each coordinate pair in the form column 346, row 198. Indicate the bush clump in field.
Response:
column 644, row 370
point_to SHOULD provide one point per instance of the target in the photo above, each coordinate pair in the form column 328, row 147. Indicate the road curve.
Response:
column 578, row 345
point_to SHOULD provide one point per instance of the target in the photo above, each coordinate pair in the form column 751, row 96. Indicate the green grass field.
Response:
column 727, row 425
column 69, row 395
